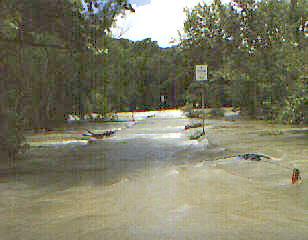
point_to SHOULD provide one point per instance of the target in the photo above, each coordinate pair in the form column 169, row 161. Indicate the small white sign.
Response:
column 201, row 72
column 162, row 99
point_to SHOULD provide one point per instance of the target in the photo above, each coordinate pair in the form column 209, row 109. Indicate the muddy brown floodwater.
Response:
column 150, row 182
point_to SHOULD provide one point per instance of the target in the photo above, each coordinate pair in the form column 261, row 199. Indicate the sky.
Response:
column 159, row 20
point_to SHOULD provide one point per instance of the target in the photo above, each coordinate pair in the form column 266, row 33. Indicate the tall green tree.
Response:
column 255, row 52
column 46, row 48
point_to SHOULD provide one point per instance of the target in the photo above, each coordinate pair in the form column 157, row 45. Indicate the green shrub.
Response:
column 11, row 135
column 294, row 110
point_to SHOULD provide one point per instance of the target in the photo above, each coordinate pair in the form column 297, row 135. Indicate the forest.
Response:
column 59, row 58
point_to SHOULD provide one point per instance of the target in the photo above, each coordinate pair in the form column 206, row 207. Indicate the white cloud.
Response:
column 159, row 20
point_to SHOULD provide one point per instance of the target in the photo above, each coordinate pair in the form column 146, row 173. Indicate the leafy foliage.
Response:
column 11, row 135
column 294, row 110
column 49, row 51
column 255, row 51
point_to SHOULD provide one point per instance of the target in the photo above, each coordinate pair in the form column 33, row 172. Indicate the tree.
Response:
column 47, row 46
column 254, row 50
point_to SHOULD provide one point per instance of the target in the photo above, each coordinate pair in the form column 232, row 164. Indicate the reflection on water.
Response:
column 153, row 187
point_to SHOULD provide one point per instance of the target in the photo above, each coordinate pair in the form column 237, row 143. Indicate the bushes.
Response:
column 11, row 135
column 294, row 110
column 190, row 112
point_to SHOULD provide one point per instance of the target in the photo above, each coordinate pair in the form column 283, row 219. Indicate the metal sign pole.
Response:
column 203, row 109
column 201, row 75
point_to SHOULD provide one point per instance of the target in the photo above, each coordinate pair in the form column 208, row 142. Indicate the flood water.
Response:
column 150, row 181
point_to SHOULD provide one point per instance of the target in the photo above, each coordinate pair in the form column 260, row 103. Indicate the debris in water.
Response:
column 100, row 135
column 194, row 125
column 253, row 156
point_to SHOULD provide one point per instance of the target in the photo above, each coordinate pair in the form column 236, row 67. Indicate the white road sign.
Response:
column 201, row 72
column 162, row 99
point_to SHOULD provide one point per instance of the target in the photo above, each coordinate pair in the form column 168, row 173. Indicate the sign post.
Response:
column 201, row 76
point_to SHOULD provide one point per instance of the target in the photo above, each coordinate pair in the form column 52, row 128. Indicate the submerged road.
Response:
column 149, row 181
